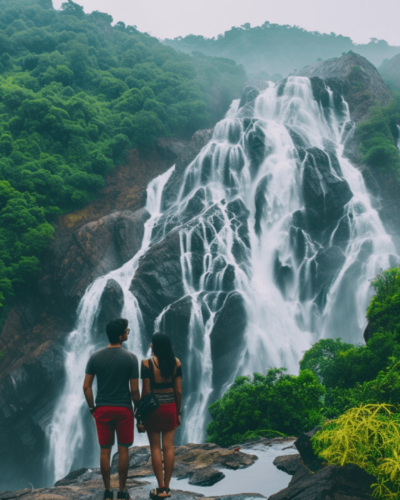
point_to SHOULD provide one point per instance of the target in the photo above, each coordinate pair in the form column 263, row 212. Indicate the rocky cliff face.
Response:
column 355, row 78
column 87, row 244
column 362, row 87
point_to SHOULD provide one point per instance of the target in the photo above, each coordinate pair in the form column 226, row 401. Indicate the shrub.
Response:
column 270, row 405
column 368, row 436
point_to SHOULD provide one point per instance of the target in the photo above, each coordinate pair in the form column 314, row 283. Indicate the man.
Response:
column 115, row 369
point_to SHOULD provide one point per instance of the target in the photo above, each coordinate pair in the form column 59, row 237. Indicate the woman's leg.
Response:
column 156, row 458
column 169, row 455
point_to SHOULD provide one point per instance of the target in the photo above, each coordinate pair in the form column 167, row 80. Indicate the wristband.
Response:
column 92, row 410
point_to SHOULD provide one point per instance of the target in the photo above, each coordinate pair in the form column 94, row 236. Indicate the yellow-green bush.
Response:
column 368, row 436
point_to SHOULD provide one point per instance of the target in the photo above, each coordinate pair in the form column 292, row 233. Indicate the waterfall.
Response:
column 71, row 434
column 277, row 243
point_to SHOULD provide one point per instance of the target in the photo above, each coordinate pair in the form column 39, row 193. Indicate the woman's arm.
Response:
column 178, row 393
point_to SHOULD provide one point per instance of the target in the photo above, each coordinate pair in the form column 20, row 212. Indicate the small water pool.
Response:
column 261, row 477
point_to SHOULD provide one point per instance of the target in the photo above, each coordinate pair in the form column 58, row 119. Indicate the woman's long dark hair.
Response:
column 162, row 348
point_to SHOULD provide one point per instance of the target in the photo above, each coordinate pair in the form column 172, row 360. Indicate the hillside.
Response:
column 390, row 71
column 272, row 51
column 76, row 93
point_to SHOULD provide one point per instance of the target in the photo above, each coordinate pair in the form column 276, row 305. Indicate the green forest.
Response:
column 77, row 92
column 272, row 51
column 338, row 384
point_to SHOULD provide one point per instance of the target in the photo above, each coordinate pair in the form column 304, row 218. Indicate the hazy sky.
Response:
column 359, row 19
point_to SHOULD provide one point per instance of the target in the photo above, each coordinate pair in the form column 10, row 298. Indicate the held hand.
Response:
column 179, row 420
column 141, row 428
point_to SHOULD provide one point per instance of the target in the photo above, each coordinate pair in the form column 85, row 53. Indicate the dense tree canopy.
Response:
column 76, row 92
column 269, row 405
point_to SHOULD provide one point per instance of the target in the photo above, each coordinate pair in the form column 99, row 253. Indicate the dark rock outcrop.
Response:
column 158, row 280
column 304, row 447
column 358, row 81
column 111, row 304
column 251, row 91
column 331, row 483
column 288, row 463
column 355, row 78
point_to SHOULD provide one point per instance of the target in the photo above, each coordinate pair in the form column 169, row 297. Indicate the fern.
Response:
column 368, row 436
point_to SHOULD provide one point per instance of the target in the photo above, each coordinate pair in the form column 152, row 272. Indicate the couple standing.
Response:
column 117, row 373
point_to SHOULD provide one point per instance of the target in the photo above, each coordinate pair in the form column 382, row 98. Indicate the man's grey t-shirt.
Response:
column 113, row 367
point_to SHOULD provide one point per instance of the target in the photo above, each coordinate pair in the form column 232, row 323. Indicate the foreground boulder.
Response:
column 198, row 462
column 331, row 483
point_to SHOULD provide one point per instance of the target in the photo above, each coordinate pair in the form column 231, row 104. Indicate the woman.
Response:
column 162, row 375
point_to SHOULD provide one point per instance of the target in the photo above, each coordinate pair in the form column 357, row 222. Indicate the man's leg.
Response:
column 105, row 432
column 105, row 454
column 123, row 465
column 124, row 420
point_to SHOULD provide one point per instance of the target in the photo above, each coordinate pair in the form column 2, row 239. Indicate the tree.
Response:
column 73, row 9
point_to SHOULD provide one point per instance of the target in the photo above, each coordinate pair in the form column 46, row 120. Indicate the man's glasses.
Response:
column 127, row 331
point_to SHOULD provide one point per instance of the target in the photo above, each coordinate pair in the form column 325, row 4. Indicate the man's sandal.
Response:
column 108, row 495
column 157, row 496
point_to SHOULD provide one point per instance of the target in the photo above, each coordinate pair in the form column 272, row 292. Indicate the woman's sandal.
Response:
column 157, row 496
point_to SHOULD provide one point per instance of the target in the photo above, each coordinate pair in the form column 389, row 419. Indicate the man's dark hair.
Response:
column 115, row 329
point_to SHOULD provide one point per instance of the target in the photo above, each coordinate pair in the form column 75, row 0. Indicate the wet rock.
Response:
column 325, row 194
column 195, row 205
column 206, row 477
column 158, row 280
column 331, row 483
column 111, row 304
column 256, row 148
column 100, row 247
column 288, row 463
column 252, row 90
column 261, row 202
column 304, row 446
column 227, row 339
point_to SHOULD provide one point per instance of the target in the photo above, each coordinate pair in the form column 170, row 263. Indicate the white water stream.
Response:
column 298, row 272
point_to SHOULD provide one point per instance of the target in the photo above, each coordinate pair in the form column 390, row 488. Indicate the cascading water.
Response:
column 277, row 242
column 72, row 439
column 283, row 231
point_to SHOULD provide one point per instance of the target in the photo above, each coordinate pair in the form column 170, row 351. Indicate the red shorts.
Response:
column 114, row 418
column 163, row 419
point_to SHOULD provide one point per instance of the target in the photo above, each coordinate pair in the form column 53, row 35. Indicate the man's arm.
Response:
column 87, row 389
column 135, row 390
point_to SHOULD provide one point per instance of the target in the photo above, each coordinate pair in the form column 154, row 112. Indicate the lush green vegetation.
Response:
column 379, row 134
column 334, row 378
column 368, row 436
column 76, row 92
column 269, row 405
column 278, row 50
